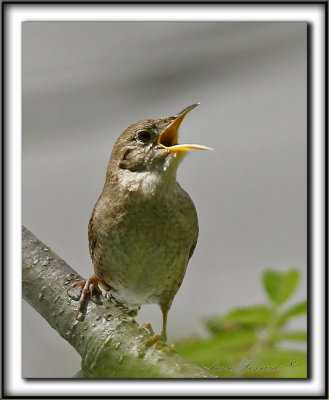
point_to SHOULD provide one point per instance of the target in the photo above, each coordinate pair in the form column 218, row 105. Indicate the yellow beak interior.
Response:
column 169, row 137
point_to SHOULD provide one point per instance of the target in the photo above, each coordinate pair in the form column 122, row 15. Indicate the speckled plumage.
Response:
column 144, row 226
column 142, row 236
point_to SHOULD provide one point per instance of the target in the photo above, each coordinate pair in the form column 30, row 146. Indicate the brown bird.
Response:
column 144, row 226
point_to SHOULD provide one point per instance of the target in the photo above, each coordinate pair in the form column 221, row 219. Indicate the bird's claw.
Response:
column 88, row 286
column 148, row 327
column 152, row 340
column 77, row 284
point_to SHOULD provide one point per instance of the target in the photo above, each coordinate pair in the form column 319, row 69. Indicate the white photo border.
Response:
column 316, row 16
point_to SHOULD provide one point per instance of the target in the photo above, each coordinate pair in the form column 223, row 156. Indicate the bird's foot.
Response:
column 90, row 285
column 148, row 327
column 154, row 339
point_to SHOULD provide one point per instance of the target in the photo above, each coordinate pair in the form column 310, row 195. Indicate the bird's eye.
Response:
column 144, row 136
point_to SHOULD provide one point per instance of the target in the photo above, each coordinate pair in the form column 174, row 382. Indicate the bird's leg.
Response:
column 163, row 337
column 164, row 310
column 88, row 286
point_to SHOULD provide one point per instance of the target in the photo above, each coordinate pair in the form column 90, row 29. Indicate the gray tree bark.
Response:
column 109, row 341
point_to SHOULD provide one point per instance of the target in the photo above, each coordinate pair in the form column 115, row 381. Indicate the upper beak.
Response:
column 169, row 137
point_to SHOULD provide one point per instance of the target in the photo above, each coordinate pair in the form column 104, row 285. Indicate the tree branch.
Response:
column 109, row 341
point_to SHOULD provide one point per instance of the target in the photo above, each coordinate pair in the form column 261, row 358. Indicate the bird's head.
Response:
column 152, row 145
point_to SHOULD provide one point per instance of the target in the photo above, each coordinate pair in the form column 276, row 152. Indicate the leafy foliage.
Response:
column 247, row 342
column 280, row 286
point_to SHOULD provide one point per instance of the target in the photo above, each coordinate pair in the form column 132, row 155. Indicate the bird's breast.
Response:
column 144, row 249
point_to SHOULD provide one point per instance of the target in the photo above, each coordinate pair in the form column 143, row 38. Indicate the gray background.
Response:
column 84, row 83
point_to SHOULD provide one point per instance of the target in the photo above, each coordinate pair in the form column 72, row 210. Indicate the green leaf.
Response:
column 221, row 346
column 230, row 355
column 240, row 318
column 255, row 315
column 218, row 324
column 280, row 285
column 294, row 311
column 300, row 336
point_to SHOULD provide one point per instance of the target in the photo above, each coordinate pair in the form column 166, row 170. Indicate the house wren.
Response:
column 144, row 226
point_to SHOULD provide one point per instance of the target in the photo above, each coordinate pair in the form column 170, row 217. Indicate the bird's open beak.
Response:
column 169, row 137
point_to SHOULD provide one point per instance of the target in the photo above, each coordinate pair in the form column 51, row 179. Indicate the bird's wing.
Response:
column 187, row 208
column 92, row 236
column 193, row 247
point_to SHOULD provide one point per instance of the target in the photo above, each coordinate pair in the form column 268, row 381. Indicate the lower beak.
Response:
column 169, row 137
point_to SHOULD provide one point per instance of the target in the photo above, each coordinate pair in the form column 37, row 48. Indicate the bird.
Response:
column 144, row 226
